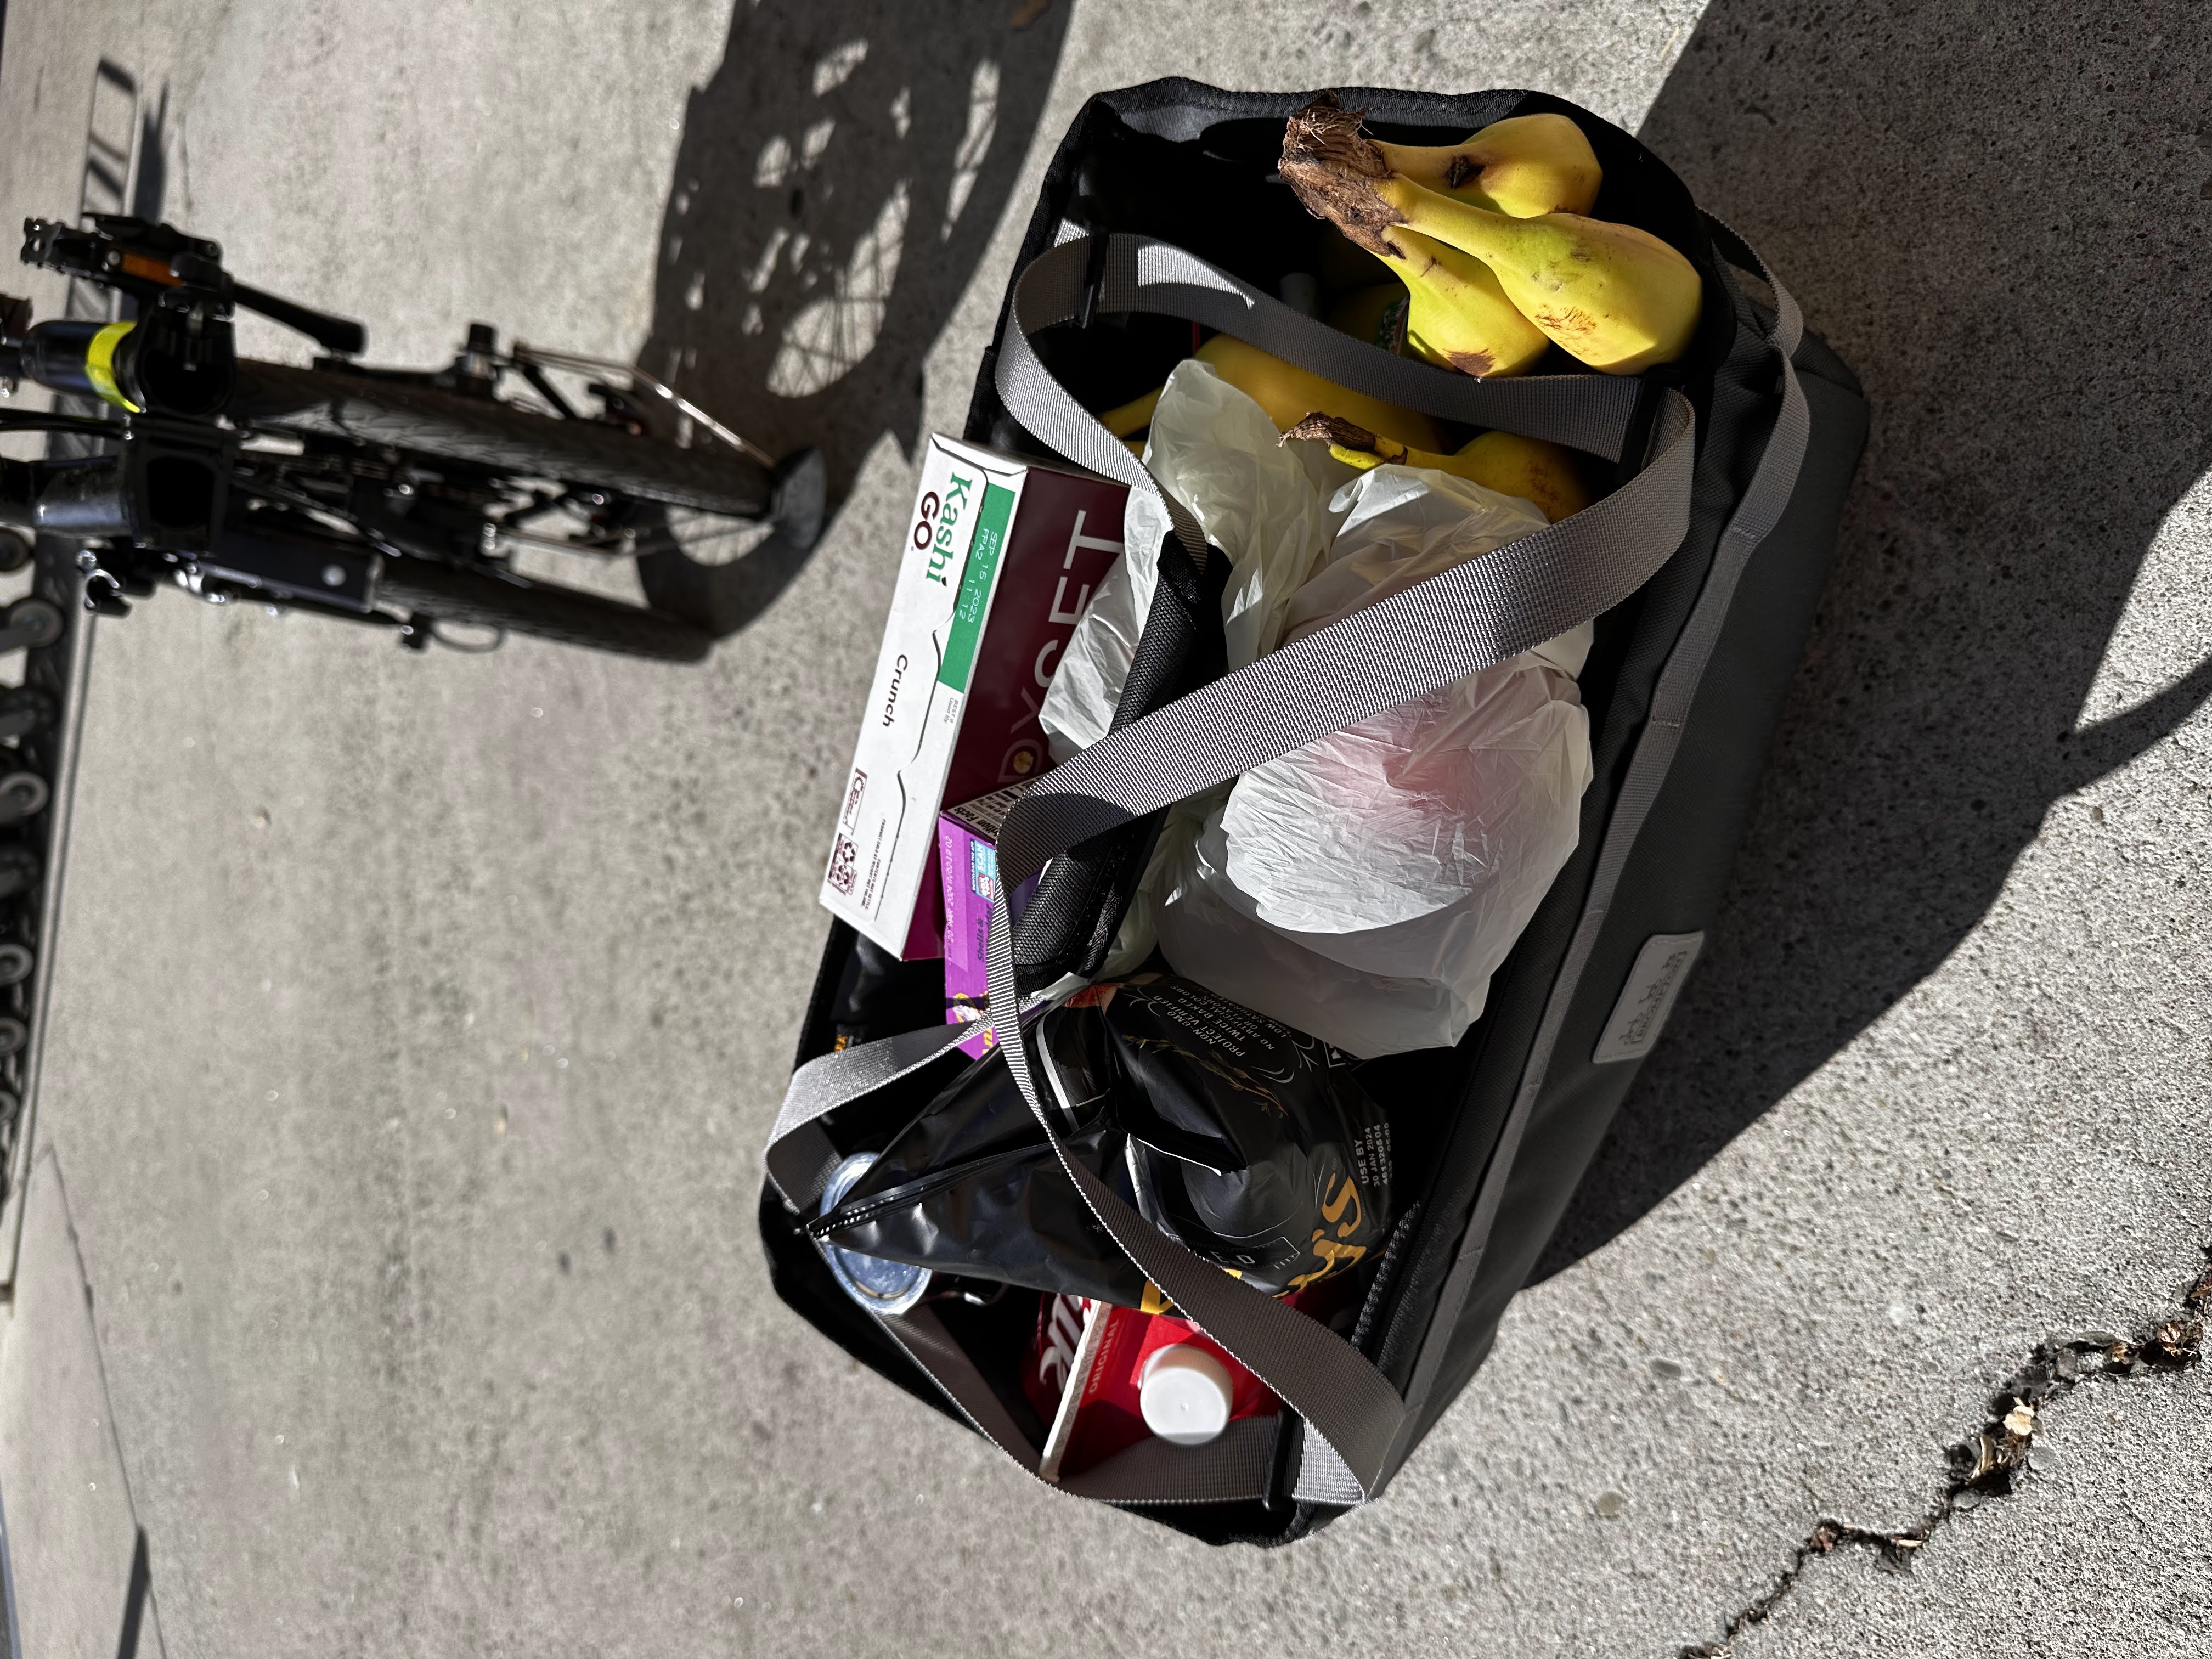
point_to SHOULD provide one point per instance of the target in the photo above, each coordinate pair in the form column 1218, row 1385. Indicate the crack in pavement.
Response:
column 1989, row 1460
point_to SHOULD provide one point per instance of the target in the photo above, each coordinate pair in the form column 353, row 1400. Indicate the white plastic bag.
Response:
column 1366, row 887
column 1248, row 962
column 1397, row 526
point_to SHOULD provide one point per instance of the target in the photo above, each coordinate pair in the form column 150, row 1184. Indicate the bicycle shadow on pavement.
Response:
column 1998, row 251
column 837, row 181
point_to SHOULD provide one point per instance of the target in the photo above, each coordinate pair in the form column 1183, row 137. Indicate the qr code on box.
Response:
column 844, row 860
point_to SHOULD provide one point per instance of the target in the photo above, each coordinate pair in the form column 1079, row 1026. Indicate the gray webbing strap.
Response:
column 1318, row 1374
column 1052, row 290
column 1139, row 274
column 1467, row 618
column 799, row 1156
column 1760, row 509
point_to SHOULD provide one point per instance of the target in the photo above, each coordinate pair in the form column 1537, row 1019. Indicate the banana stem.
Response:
column 1444, row 168
column 1349, row 441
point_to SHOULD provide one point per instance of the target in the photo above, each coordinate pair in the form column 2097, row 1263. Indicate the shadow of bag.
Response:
column 1161, row 215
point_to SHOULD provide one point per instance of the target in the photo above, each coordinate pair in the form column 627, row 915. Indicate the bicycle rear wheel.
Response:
column 428, row 422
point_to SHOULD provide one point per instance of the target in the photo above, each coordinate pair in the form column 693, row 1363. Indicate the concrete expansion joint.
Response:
column 1991, row 1460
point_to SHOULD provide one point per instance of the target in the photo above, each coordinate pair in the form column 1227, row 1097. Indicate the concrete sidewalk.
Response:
column 418, row 1021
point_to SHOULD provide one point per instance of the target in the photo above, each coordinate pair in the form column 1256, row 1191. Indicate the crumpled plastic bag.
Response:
column 1396, row 527
column 1366, row 887
column 1249, row 962
column 1263, row 502
column 1250, row 1144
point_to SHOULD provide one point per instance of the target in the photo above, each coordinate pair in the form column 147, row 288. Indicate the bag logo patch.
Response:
column 1648, row 997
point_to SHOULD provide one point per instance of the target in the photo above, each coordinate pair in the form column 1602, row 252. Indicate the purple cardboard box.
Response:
column 968, row 862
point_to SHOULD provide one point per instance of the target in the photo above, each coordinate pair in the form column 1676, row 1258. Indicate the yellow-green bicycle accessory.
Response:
column 100, row 365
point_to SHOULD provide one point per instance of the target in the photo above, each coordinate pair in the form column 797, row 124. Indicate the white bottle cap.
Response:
column 1184, row 1394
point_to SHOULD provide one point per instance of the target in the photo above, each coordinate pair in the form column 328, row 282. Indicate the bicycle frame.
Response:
column 189, row 493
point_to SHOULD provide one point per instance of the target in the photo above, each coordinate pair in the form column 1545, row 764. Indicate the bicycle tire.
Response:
column 427, row 421
column 517, row 604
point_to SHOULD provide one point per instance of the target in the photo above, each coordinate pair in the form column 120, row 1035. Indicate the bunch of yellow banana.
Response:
column 1491, row 240
column 1544, row 473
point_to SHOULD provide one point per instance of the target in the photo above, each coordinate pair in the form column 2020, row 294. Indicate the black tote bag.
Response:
column 1702, row 570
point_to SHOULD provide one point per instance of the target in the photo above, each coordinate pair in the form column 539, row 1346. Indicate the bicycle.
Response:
column 394, row 497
